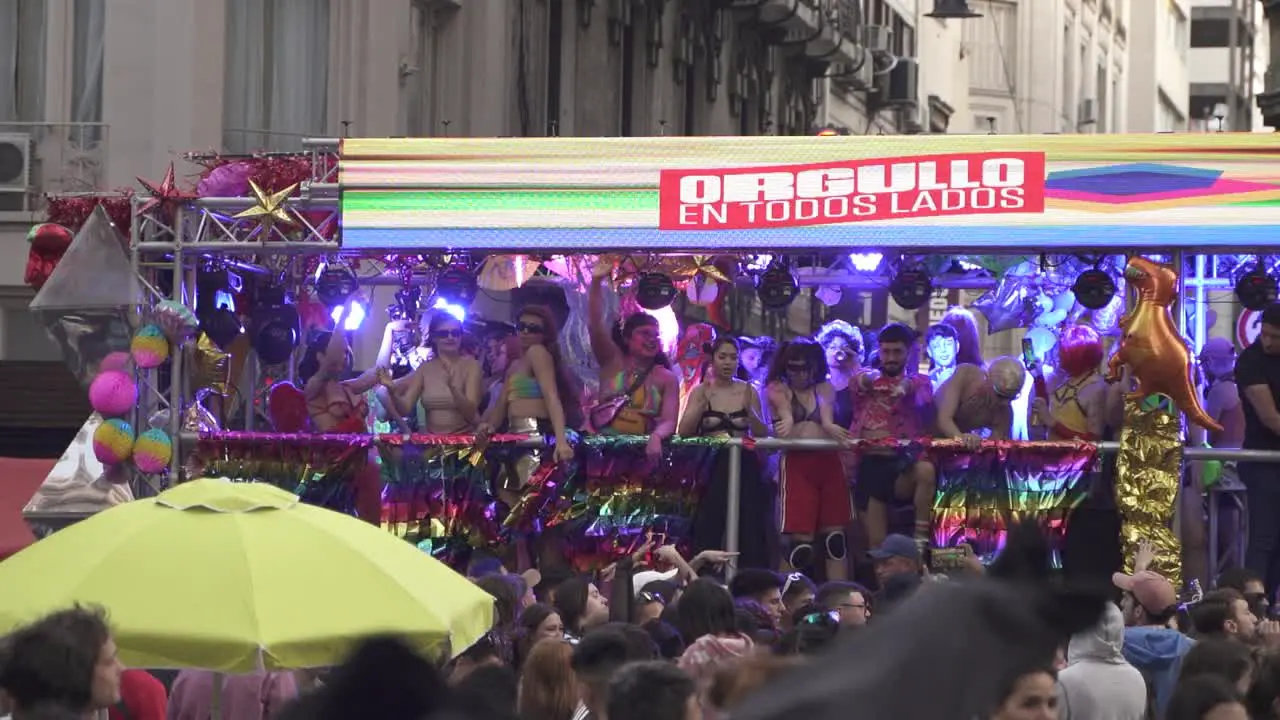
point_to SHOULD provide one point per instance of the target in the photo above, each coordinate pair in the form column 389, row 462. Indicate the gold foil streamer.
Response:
column 1148, row 474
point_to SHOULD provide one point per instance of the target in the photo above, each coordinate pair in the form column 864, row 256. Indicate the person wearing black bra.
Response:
column 728, row 406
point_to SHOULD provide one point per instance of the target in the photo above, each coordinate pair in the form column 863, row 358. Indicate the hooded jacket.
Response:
column 1157, row 653
column 1098, row 683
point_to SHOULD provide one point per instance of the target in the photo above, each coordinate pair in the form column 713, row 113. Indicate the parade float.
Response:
column 182, row 305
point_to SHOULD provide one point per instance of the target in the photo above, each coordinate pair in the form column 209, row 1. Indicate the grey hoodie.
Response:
column 1098, row 683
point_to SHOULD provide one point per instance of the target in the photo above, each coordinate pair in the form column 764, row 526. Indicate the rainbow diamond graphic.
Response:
column 1143, row 186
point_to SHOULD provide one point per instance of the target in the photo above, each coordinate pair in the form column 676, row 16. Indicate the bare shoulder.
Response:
column 536, row 352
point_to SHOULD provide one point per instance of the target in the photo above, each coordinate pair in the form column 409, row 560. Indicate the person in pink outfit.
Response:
column 256, row 696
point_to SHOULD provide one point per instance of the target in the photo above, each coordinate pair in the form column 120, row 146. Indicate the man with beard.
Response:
column 894, row 403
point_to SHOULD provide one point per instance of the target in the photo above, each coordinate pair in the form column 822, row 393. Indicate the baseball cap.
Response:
column 896, row 546
column 640, row 579
column 1152, row 591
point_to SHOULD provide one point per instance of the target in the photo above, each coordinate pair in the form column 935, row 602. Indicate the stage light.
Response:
column 865, row 262
column 1255, row 289
column 353, row 314
column 952, row 10
column 457, row 311
column 457, row 286
column 654, row 291
column 277, row 327
column 760, row 262
column 1094, row 289
column 335, row 284
column 776, row 287
column 222, row 326
column 911, row 287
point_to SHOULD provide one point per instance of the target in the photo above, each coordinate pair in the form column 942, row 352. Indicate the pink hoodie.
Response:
column 707, row 656
column 256, row 696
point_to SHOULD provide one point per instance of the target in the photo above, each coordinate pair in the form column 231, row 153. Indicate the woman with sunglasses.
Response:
column 816, row 506
column 537, row 398
column 725, row 406
column 447, row 386
column 633, row 370
column 976, row 399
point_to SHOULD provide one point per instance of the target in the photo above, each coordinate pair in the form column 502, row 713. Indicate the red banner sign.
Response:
column 856, row 191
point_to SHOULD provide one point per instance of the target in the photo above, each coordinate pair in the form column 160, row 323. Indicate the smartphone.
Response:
column 952, row 558
column 1028, row 352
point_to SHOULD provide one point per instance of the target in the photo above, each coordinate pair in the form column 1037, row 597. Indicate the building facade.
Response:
column 1227, row 65
column 96, row 94
column 1056, row 66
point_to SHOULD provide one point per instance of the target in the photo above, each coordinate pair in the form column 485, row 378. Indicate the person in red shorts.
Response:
column 816, row 505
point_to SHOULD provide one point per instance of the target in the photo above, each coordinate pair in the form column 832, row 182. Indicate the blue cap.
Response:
column 896, row 546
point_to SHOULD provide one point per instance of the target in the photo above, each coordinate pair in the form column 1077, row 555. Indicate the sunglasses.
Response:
column 797, row 367
column 648, row 597
column 447, row 333
column 530, row 328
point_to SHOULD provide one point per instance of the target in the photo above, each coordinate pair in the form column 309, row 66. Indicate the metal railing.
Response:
column 66, row 157
column 735, row 447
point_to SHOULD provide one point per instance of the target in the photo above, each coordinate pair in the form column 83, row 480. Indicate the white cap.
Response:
column 640, row 579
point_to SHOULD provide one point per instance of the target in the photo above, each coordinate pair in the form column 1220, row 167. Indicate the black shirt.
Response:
column 1255, row 367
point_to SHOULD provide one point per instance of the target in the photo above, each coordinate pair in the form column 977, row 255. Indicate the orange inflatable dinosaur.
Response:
column 1151, row 346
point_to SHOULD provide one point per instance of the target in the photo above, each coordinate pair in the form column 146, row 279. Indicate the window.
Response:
column 904, row 37
column 88, row 37
column 1103, row 86
column 277, row 79
column 1117, row 125
column 992, row 37
column 1177, row 28
column 1068, row 72
column 22, row 45
column 1210, row 32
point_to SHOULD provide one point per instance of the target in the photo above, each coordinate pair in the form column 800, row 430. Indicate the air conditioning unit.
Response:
column 1087, row 112
column 16, row 153
column 879, row 39
column 904, row 83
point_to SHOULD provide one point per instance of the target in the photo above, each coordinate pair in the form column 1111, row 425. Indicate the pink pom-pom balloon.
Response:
column 113, row 393
column 118, row 361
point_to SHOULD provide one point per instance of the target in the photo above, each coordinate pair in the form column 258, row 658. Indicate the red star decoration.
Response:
column 164, row 195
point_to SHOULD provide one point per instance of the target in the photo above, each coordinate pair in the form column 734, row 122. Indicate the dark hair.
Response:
column 1011, row 683
column 968, row 342
column 941, row 330
column 565, row 387
column 841, row 329
column 309, row 365
column 48, row 711
column 506, row 594
column 571, row 603
column 551, row 581
column 488, row 692
column 831, row 594
column 527, row 628
column 1237, row 578
column 1227, row 658
column 712, row 348
column 484, row 649
column 599, row 655
column 53, row 660
column 800, row 350
column 705, row 608
column 1210, row 615
column 622, row 334
column 640, row 645
column 649, row 690
column 666, row 638
column 814, row 631
column 897, row 333
column 1271, row 314
column 753, row 582
column 1193, row 698
column 801, row 584
column 383, row 677
column 1265, row 689
column 753, row 620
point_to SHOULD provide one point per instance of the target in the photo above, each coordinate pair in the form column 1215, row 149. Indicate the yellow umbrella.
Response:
column 235, row 577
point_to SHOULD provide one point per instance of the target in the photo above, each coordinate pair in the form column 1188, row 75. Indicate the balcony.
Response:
column 829, row 30
column 39, row 159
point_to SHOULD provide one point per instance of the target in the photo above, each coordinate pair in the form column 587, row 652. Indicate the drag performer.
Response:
column 842, row 344
column 815, row 493
column 1076, row 408
column 894, row 402
column 537, row 398
column 975, row 399
column 968, row 341
column 942, row 343
column 338, row 406
column 724, row 405
column 639, row 394
column 447, row 385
